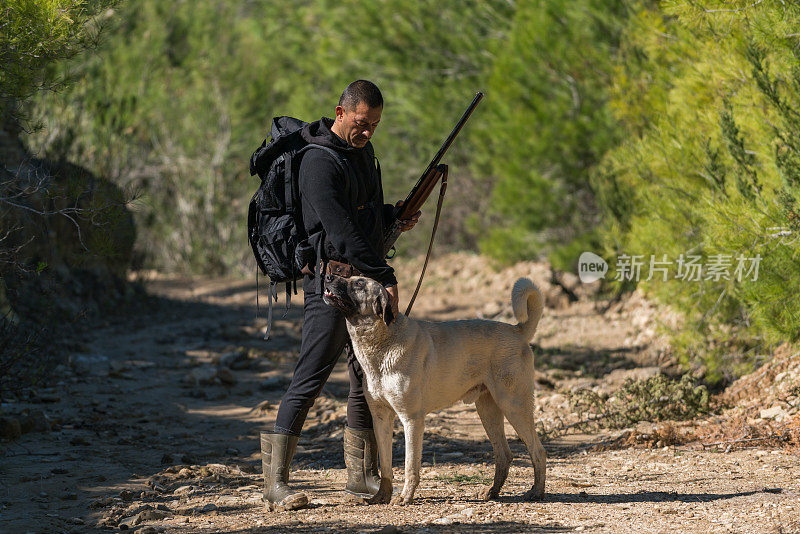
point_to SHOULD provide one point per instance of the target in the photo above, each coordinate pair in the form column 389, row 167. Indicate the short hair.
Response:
column 361, row 91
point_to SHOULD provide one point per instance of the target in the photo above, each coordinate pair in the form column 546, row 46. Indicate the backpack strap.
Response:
column 341, row 162
column 271, row 295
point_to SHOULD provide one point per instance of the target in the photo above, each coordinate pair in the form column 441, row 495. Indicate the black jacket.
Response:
column 353, row 216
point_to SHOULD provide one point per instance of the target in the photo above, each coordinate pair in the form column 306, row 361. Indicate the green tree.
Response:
column 708, row 95
column 34, row 35
column 549, row 124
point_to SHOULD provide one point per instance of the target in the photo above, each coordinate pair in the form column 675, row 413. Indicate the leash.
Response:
column 443, row 170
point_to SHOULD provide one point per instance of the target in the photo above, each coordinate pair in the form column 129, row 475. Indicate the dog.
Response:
column 413, row 367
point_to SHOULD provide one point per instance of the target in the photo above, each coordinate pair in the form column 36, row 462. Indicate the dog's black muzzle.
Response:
column 335, row 293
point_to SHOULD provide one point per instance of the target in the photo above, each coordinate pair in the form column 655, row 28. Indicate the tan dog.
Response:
column 416, row 367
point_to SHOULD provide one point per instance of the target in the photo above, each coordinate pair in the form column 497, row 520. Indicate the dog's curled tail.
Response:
column 527, row 303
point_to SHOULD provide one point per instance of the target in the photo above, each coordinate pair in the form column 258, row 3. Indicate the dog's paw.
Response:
column 488, row 494
column 381, row 498
column 399, row 500
column 533, row 495
column 384, row 495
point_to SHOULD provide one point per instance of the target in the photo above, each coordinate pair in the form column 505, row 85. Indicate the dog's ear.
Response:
column 388, row 313
column 383, row 307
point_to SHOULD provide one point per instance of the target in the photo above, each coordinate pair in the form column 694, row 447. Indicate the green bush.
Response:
column 708, row 97
column 657, row 398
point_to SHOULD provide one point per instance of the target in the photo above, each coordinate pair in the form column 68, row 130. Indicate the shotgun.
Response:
column 424, row 186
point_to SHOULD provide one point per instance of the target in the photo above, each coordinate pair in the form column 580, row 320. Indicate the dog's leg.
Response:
column 492, row 419
column 520, row 415
column 414, row 428
column 383, row 421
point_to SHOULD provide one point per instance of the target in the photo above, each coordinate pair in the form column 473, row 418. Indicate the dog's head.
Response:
column 358, row 296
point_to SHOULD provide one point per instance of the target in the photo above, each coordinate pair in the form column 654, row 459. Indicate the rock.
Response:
column 89, row 364
column 145, row 515
column 468, row 512
column 126, row 495
column 210, row 507
column 151, row 515
column 10, row 428
column 226, row 376
column 185, row 473
column 443, row 521
column 776, row 412
column 35, row 421
column 273, row 382
column 183, row 490
column 201, row 376
column 79, row 440
column 117, row 368
column 232, row 360
column 390, row 529
column 127, row 523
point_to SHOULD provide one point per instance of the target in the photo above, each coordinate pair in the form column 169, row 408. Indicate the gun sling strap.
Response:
column 442, row 170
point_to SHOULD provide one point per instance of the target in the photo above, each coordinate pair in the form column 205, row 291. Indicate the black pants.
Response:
column 324, row 337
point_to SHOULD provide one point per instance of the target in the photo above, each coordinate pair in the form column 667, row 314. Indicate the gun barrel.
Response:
column 450, row 138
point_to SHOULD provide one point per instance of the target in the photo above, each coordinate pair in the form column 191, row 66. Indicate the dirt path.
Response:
column 155, row 427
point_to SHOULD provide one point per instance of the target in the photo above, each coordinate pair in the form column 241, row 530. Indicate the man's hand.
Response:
column 394, row 299
column 407, row 224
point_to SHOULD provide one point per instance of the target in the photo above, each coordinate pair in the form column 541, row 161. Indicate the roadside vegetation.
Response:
column 641, row 129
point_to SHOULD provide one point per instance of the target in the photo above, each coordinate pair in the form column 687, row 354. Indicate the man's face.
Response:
column 356, row 126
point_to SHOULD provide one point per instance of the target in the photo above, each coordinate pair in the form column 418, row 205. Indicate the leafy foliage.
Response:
column 134, row 113
column 549, row 123
column 37, row 33
column 638, row 127
column 708, row 96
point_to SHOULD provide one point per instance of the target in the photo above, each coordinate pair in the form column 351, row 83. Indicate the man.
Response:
column 344, row 217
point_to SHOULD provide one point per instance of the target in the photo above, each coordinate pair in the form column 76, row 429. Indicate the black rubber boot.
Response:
column 361, row 459
column 277, row 451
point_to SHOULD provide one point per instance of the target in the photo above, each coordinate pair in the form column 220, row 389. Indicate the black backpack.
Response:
column 274, row 219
